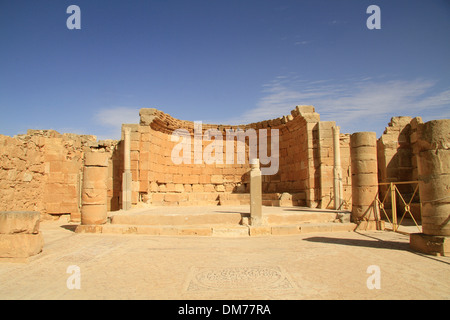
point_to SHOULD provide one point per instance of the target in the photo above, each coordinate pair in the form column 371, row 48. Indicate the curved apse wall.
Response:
column 176, row 162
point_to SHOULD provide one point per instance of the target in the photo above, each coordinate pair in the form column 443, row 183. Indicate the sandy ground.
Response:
column 310, row 266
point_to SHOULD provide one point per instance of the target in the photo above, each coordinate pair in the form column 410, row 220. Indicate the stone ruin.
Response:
column 57, row 174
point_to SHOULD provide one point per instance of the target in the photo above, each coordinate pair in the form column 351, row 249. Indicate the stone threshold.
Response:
column 217, row 230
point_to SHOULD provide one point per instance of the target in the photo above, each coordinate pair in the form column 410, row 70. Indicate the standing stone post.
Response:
column 433, row 165
column 363, row 150
column 255, row 193
column 337, row 171
column 126, row 177
column 94, row 193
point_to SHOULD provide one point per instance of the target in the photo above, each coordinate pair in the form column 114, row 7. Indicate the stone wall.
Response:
column 42, row 171
column 305, row 161
column 397, row 162
column 395, row 154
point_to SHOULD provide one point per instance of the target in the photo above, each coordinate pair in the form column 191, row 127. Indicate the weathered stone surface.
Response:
column 20, row 245
column 429, row 244
column 255, row 193
column 147, row 115
column 365, row 179
column 94, row 214
column 42, row 171
column 435, row 134
column 97, row 159
column 362, row 139
column 364, row 175
column 94, row 196
column 433, row 158
column 14, row 222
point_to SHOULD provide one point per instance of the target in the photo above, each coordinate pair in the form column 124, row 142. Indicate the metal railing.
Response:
column 393, row 191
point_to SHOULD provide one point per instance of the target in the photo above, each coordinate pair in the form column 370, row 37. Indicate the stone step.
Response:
column 298, row 218
column 268, row 199
column 221, row 218
column 178, row 219
column 219, row 230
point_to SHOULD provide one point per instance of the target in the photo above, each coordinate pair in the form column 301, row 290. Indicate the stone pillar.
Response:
column 126, row 177
column 337, row 171
column 255, row 193
column 364, row 178
column 433, row 165
column 94, row 192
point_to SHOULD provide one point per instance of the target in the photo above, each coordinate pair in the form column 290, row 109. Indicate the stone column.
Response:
column 255, row 193
column 94, row 192
column 433, row 165
column 363, row 150
column 337, row 171
column 126, row 176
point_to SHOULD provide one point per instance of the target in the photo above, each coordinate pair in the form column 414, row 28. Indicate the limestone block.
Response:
column 433, row 189
column 260, row 230
column 21, row 245
column 12, row 222
column 434, row 245
column 435, row 135
column 95, row 177
column 364, row 195
column 365, row 179
column 434, row 162
column 192, row 179
column 285, row 230
column 178, row 187
column 400, row 121
column 157, row 197
column 89, row 229
column 364, row 153
column 208, row 188
column 98, row 159
column 172, row 197
column 53, row 207
column 435, row 218
column 147, row 115
column 195, row 231
column 360, row 139
column 364, row 166
column 216, row 179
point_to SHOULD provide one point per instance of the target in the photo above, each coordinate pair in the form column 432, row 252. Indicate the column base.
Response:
column 433, row 245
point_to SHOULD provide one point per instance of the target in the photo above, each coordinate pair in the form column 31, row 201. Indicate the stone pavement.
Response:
column 305, row 266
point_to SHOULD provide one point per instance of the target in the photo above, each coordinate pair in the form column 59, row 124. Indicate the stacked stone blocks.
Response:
column 19, row 234
column 94, row 192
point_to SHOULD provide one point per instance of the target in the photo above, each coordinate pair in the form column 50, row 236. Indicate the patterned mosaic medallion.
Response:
column 235, row 278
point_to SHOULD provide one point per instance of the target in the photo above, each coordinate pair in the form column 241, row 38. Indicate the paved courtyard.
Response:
column 309, row 266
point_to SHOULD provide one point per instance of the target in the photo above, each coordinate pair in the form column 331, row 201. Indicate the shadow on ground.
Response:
column 369, row 243
column 70, row 227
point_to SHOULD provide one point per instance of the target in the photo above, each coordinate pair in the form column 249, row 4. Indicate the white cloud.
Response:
column 113, row 118
column 354, row 104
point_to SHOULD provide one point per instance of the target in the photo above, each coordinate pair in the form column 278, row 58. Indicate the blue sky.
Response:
column 221, row 61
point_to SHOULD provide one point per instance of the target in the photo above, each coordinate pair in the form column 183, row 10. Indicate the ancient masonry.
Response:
column 57, row 174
